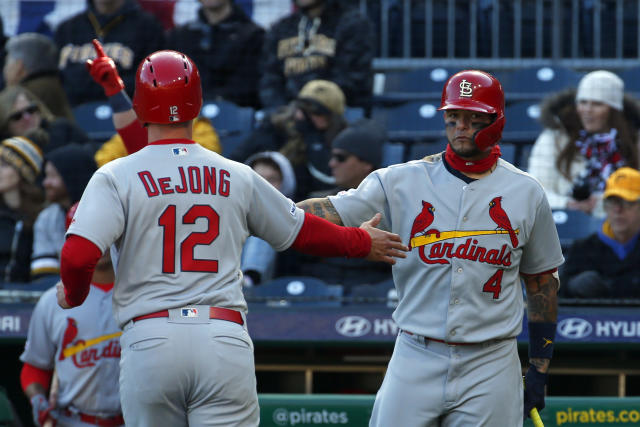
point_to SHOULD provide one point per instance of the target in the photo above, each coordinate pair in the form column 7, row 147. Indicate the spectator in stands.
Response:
column 355, row 153
column 226, row 45
column 324, row 39
column 21, row 200
column 588, row 134
column 128, row 33
column 21, row 111
column 259, row 259
column 32, row 62
column 606, row 264
column 303, row 131
column 67, row 171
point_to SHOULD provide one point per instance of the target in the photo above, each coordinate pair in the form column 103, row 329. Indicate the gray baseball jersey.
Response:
column 83, row 344
column 179, row 215
column 469, row 242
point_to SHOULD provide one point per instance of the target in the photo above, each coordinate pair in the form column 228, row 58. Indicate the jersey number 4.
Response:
column 494, row 284
column 187, row 262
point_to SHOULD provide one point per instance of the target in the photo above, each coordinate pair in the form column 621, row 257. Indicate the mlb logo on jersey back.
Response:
column 180, row 151
column 189, row 312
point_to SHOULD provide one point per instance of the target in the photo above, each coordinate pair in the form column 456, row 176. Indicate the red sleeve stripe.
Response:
column 320, row 237
column 30, row 374
column 78, row 260
column 134, row 136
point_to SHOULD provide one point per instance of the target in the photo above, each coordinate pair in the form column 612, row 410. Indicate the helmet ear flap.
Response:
column 490, row 135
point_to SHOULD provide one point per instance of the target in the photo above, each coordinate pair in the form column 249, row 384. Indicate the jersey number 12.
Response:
column 187, row 262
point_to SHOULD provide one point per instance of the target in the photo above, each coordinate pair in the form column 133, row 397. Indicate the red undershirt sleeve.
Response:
column 30, row 374
column 78, row 260
column 320, row 237
column 134, row 136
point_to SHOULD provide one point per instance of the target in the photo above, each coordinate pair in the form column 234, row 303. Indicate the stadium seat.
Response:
column 95, row 119
column 353, row 114
column 534, row 83
column 631, row 81
column 508, row 152
column 380, row 294
column 417, row 84
column 574, row 224
column 522, row 123
column 392, row 153
column 411, row 121
column 232, row 122
column 420, row 149
column 296, row 291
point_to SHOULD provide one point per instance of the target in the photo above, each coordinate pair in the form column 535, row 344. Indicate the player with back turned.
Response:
column 475, row 226
column 178, row 215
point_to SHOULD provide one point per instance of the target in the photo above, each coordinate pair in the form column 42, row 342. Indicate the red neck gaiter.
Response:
column 475, row 166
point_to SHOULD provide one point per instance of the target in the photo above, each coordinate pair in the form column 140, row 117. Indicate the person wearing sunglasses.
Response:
column 355, row 153
column 606, row 264
column 22, row 111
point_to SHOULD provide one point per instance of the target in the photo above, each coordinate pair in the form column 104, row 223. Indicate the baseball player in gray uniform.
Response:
column 475, row 225
column 178, row 215
column 82, row 347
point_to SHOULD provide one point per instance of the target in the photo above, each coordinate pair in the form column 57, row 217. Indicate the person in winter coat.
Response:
column 589, row 133
column 226, row 45
column 127, row 32
column 323, row 39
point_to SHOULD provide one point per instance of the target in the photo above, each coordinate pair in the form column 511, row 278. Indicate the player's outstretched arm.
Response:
column 321, row 207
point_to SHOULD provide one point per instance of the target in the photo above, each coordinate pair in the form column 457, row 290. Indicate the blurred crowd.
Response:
column 301, row 69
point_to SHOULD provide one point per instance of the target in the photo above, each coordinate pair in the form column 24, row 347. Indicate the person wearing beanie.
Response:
column 355, row 153
column 20, row 202
column 67, row 171
column 589, row 132
column 303, row 131
column 259, row 259
column 605, row 264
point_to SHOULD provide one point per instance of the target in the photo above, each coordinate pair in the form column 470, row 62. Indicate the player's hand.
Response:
column 534, row 382
column 41, row 411
column 385, row 246
column 62, row 300
column 104, row 72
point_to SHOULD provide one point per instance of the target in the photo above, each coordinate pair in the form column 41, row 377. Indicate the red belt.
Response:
column 114, row 421
column 214, row 313
column 440, row 341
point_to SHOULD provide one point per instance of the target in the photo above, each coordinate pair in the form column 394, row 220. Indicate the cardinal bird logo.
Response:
column 69, row 335
column 422, row 221
column 500, row 217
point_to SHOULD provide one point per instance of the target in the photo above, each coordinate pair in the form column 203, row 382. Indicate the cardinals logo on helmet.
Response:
column 466, row 89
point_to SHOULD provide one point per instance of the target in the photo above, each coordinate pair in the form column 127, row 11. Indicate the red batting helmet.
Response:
column 168, row 88
column 477, row 91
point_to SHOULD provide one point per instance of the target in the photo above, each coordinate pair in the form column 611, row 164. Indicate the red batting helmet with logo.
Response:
column 477, row 91
column 168, row 88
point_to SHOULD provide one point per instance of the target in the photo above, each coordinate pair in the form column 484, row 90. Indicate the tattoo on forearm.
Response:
column 542, row 365
column 542, row 298
column 321, row 207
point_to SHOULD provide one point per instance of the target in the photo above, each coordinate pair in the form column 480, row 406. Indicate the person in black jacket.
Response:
column 226, row 45
column 127, row 33
column 322, row 40
column 607, row 264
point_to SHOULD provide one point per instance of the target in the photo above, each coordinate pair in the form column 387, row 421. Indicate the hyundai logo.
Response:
column 574, row 328
column 353, row 326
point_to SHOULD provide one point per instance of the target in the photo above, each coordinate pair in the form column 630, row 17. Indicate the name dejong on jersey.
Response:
column 423, row 237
